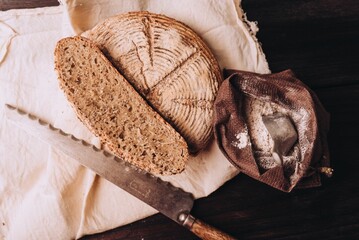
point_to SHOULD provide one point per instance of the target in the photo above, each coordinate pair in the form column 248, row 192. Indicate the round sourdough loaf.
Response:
column 169, row 65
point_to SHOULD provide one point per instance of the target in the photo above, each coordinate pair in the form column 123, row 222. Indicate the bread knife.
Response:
column 171, row 201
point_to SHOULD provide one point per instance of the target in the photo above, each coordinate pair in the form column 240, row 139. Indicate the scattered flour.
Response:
column 302, row 117
column 260, row 137
column 242, row 140
column 262, row 142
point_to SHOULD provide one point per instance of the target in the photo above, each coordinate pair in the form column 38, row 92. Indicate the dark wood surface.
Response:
column 319, row 40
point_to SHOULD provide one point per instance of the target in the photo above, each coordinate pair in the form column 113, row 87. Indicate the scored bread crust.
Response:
column 169, row 65
column 112, row 109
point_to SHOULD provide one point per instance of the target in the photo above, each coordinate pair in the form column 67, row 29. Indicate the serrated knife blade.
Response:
column 171, row 201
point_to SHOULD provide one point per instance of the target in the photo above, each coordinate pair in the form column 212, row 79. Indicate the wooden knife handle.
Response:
column 204, row 230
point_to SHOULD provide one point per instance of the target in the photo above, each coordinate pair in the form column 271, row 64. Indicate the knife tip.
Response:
column 10, row 106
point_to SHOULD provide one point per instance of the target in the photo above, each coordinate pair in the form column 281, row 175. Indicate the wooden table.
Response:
column 319, row 40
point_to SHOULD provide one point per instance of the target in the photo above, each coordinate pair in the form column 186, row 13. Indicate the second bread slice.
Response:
column 114, row 111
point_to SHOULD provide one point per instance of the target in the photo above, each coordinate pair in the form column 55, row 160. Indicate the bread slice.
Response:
column 169, row 65
column 111, row 108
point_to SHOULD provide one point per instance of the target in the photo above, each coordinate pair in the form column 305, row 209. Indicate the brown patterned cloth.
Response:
column 301, row 166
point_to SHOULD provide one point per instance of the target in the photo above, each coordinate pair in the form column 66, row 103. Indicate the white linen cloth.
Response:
column 43, row 193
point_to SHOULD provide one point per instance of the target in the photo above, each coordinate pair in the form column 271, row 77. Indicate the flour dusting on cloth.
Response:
column 241, row 140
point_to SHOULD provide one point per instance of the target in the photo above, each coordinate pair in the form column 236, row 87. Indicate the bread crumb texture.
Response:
column 112, row 109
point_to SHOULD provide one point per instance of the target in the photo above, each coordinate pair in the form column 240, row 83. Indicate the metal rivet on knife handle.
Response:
column 202, row 229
